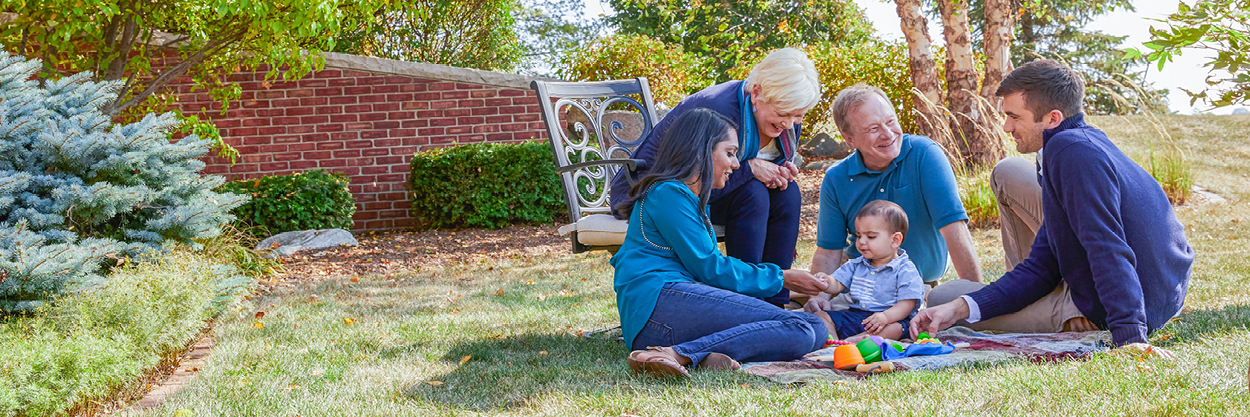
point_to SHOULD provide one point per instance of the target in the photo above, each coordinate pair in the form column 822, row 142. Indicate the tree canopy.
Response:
column 550, row 29
column 1220, row 26
column 120, row 40
column 729, row 31
column 464, row 33
column 1115, row 83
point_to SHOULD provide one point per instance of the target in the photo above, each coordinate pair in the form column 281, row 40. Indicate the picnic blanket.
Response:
column 984, row 349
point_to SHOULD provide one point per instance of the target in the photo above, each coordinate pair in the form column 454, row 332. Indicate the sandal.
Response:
column 718, row 362
column 658, row 365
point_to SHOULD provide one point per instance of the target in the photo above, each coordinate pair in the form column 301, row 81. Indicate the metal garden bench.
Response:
column 594, row 128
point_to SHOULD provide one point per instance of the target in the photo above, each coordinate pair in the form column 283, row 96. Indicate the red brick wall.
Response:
column 366, row 125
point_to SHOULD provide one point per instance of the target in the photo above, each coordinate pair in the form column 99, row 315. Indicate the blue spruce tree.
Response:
column 78, row 191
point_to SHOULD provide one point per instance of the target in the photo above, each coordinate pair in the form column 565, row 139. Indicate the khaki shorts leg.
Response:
column 1047, row 315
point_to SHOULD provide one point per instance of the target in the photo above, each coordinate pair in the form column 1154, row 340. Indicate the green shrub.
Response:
column 486, row 185
column 1171, row 169
column 876, row 63
column 74, row 353
column 671, row 72
column 977, row 196
column 301, row 201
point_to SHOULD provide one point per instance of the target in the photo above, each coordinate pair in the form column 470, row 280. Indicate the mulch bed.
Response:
column 406, row 251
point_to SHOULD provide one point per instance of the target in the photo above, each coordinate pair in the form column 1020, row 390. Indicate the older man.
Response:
column 908, row 170
column 1108, row 253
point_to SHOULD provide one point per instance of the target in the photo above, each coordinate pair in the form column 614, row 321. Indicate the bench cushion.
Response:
column 598, row 230
column 605, row 230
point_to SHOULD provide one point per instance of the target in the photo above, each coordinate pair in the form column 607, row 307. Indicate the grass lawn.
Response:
column 500, row 337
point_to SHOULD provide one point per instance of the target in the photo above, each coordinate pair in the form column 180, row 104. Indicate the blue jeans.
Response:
column 697, row 319
column 761, row 225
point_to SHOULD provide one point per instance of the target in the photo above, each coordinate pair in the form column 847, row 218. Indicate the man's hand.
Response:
column 876, row 323
column 819, row 302
column 772, row 175
column 1144, row 350
column 801, row 281
column 936, row 319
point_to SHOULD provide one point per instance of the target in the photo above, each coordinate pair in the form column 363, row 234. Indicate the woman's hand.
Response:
column 804, row 282
column 773, row 175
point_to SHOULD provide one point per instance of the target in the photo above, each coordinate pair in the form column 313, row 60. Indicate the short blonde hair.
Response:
column 850, row 98
column 787, row 79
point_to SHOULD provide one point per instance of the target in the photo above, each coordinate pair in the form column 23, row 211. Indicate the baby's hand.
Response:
column 876, row 323
column 825, row 278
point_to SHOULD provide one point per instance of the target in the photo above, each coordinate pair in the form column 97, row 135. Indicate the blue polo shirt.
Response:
column 878, row 289
column 920, row 180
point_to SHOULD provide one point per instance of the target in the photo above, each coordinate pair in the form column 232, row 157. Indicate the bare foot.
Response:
column 662, row 352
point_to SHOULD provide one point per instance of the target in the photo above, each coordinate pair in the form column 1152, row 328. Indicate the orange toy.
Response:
column 847, row 357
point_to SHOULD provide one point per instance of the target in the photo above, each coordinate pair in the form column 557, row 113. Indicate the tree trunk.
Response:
column 998, row 25
column 961, row 84
column 923, row 68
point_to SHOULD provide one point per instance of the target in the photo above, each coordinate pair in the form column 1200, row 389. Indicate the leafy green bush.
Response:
column 880, row 64
column 486, row 185
column 301, row 201
column 75, row 352
column 672, row 72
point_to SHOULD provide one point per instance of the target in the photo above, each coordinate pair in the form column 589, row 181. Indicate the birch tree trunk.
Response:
column 923, row 69
column 961, row 85
column 999, row 21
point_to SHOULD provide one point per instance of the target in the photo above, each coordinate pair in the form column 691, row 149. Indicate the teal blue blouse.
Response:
column 668, row 241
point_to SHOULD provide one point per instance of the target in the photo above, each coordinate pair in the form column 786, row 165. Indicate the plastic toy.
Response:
column 847, row 357
column 875, row 368
column 924, row 338
column 833, row 341
column 868, row 351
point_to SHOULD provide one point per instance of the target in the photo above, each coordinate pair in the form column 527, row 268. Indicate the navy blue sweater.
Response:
column 1108, row 231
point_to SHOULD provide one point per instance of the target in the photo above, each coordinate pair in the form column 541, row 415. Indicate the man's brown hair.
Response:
column 1047, row 85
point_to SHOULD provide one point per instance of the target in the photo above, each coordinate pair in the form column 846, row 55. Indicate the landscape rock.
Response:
column 288, row 243
column 1241, row 110
column 821, row 165
column 824, row 144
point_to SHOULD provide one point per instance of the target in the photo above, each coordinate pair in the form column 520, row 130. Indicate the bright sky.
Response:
column 1186, row 71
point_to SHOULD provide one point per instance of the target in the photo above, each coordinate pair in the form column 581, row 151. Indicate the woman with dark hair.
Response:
column 759, row 204
column 682, row 303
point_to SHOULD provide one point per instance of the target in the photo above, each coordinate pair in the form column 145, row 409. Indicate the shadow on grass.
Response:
column 1199, row 324
column 508, row 372
column 511, row 372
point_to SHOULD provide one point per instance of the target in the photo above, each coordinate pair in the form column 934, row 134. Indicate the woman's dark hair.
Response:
column 685, row 150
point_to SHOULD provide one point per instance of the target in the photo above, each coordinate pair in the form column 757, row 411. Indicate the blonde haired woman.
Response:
column 759, row 205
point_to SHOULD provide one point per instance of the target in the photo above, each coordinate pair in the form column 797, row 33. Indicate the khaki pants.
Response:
column 1047, row 315
column 1014, row 182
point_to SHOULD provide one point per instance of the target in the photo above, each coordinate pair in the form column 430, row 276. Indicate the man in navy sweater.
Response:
column 1109, row 251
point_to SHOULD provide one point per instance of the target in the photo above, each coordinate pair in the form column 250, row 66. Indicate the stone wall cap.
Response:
column 426, row 70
